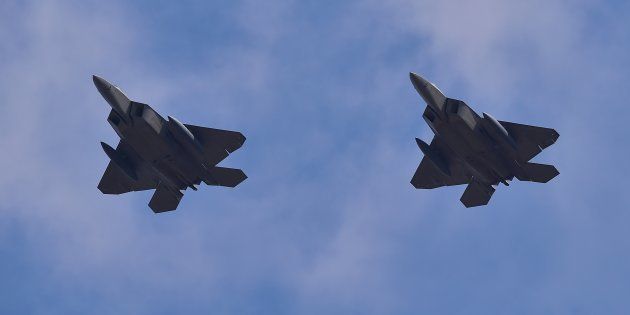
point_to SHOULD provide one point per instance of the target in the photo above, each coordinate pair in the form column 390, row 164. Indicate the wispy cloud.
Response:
column 327, row 222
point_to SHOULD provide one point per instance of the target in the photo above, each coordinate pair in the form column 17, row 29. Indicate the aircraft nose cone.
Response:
column 417, row 81
column 100, row 83
column 429, row 92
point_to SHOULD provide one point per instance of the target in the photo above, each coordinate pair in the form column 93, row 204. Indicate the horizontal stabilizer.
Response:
column 476, row 194
column 223, row 176
column 164, row 199
column 539, row 173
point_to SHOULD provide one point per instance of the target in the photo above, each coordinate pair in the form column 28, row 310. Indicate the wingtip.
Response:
column 422, row 145
column 106, row 147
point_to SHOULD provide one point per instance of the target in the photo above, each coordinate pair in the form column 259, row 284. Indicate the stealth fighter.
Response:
column 480, row 152
column 165, row 155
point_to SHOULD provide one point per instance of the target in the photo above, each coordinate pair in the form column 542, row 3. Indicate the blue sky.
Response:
column 327, row 222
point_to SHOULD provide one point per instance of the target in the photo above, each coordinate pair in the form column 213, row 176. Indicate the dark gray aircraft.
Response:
column 479, row 152
column 168, row 156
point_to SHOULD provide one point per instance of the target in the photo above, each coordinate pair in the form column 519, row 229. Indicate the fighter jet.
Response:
column 479, row 152
column 165, row 155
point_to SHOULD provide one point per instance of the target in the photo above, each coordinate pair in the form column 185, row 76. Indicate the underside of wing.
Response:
column 217, row 144
column 530, row 140
column 115, row 181
column 428, row 175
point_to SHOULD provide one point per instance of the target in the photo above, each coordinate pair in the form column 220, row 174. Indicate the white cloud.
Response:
column 522, row 60
column 333, row 223
column 55, row 118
